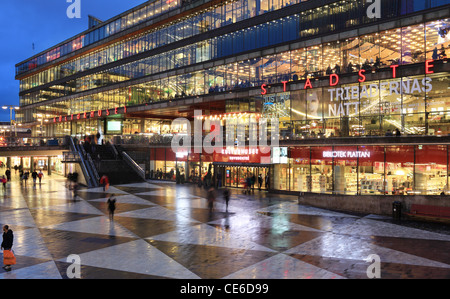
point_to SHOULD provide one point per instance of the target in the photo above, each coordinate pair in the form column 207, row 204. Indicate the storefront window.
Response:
column 321, row 170
column 281, row 178
column 399, row 169
column 371, row 170
column 345, row 169
column 300, row 169
column 431, row 169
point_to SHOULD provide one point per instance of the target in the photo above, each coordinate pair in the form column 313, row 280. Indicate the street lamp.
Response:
column 11, row 108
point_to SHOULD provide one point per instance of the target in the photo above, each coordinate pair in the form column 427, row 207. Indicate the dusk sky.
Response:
column 44, row 23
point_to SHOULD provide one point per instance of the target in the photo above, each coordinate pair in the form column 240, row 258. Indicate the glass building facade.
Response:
column 324, row 70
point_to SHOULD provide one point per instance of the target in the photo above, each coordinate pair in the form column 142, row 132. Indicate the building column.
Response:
column 31, row 164
column 8, row 163
column 49, row 168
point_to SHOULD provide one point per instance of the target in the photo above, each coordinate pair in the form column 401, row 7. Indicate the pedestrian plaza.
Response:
column 165, row 230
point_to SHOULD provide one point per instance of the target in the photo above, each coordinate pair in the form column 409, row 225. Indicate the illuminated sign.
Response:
column 345, row 154
column 343, row 96
column 91, row 114
column 279, row 155
column 334, row 78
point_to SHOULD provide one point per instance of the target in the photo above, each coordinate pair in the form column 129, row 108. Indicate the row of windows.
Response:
column 149, row 11
column 407, row 109
column 405, row 45
column 336, row 16
column 214, row 18
column 388, row 170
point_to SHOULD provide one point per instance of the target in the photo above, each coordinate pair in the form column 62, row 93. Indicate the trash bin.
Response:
column 300, row 197
column 396, row 210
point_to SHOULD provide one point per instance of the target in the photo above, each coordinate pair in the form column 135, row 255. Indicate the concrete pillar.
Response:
column 31, row 164
column 8, row 163
column 49, row 168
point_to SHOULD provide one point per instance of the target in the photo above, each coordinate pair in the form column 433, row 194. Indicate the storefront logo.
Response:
column 91, row 114
column 345, row 154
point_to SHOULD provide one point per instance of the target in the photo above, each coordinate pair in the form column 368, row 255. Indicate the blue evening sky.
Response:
column 44, row 23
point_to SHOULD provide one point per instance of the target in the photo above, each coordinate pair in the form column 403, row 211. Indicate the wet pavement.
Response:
column 164, row 230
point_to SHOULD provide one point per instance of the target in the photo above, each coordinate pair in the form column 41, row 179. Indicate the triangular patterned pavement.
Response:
column 165, row 231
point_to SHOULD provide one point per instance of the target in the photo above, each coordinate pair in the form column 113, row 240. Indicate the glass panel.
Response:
column 300, row 169
column 437, row 39
column 413, row 44
column 431, row 169
column 371, row 170
column 390, row 49
column 399, row 169
column 321, row 169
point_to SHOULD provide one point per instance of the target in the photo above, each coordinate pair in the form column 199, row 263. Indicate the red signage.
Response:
column 91, row 114
column 260, row 155
column 334, row 78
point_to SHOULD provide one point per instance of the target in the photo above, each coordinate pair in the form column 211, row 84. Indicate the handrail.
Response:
column 89, row 179
column 134, row 165
column 93, row 169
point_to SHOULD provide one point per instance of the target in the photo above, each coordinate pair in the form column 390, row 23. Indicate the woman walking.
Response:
column 8, row 256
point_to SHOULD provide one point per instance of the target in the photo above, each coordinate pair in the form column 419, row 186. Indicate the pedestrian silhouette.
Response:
column 111, row 207
column 8, row 256
column 211, row 198
column 226, row 194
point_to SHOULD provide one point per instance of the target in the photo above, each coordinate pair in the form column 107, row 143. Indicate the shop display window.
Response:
column 321, row 180
column 300, row 171
column 431, row 169
column 399, row 169
column 371, row 171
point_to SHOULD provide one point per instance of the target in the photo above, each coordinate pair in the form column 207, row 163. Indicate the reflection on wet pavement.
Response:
column 165, row 230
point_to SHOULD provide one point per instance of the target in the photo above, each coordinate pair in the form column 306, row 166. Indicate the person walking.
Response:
column 8, row 174
column 34, row 175
column 111, row 207
column 104, row 182
column 211, row 198
column 8, row 256
column 4, row 180
column 260, row 181
column 226, row 194
column 40, row 176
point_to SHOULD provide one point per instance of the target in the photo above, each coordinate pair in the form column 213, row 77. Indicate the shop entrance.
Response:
column 236, row 175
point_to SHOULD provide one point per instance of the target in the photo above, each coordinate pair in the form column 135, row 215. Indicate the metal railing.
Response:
column 133, row 165
column 86, row 167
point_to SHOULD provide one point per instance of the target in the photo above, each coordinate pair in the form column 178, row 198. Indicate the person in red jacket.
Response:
column 104, row 181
